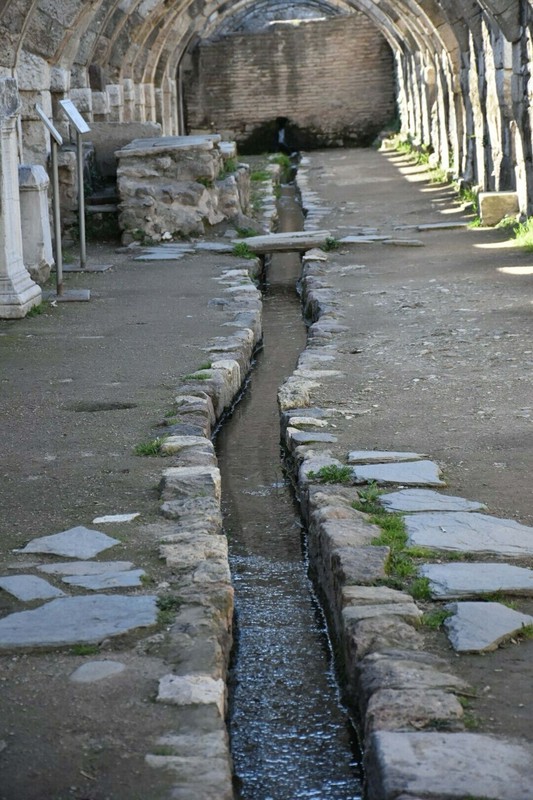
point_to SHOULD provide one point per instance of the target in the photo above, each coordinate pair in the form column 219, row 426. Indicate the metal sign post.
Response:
column 57, row 140
column 81, row 127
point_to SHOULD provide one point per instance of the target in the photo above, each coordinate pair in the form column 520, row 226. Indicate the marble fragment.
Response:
column 481, row 627
column 78, row 542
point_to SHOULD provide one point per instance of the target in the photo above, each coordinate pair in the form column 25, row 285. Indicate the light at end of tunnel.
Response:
column 516, row 270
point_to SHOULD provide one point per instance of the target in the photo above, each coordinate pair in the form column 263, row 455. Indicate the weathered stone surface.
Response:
column 72, row 620
column 360, row 565
column 470, row 532
column 94, row 671
column 116, row 518
column 454, row 766
column 175, row 444
column 308, row 422
column 373, row 595
column 426, row 500
column 181, row 483
column 78, row 542
column 205, row 554
column 313, row 463
column 286, row 242
column 85, row 567
column 481, row 627
column 295, row 437
column 164, row 252
column 419, row 473
column 380, row 456
column 196, row 513
column 184, row 690
column 442, row 226
column 495, row 206
column 29, row 587
column 107, row 580
column 408, row 709
column 377, row 634
column 407, row 611
column 380, row 670
column 473, row 579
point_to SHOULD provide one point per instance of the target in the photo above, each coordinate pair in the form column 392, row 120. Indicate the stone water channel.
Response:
column 291, row 736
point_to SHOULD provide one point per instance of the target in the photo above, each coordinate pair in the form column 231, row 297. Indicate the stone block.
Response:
column 35, row 221
column 495, row 206
column 182, row 483
column 408, row 709
column 184, row 690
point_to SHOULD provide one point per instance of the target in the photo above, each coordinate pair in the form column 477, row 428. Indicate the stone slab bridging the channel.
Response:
column 481, row 627
column 469, row 532
column 472, row 579
column 77, row 620
column 417, row 473
column 79, row 542
column 29, row 587
column 426, row 500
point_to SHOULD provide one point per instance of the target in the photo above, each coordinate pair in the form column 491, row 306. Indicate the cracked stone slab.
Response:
column 481, row 627
column 94, row 671
column 472, row 579
column 454, row 766
column 419, row 473
column 470, row 532
column 29, row 587
column 426, row 500
column 85, row 567
column 185, row 690
column 77, row 620
column 381, row 456
column 107, row 580
column 78, row 542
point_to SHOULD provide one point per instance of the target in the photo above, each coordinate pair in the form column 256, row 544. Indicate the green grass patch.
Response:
column 228, row 168
column 84, row 649
column 435, row 619
column 241, row 250
column 167, row 606
column 526, row 632
column 524, row 235
column 245, row 233
column 331, row 243
column 197, row 376
column 36, row 311
column 331, row 473
column 151, row 447
column 260, row 175
column 368, row 500
column 420, row 589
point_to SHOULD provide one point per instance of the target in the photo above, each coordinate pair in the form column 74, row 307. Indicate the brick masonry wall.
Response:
column 334, row 80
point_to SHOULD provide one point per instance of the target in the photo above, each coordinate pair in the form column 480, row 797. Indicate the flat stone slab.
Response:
column 184, row 690
column 77, row 620
column 473, row 579
column 481, row 627
column 381, row 456
column 455, row 766
column 85, row 567
column 470, row 532
column 214, row 247
column 29, row 587
column 77, row 542
column 363, row 238
column 164, row 252
column 406, row 611
column 285, row 242
column 94, row 671
column 426, row 500
column 419, row 473
column 107, row 580
column 297, row 437
column 116, row 518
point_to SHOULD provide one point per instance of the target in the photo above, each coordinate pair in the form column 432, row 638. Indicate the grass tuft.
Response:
column 152, row 447
column 241, row 250
column 524, row 235
column 331, row 473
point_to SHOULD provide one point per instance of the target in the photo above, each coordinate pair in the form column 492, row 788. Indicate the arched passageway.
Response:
column 462, row 69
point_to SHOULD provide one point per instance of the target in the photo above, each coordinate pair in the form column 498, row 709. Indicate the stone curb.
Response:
column 193, row 547
column 405, row 699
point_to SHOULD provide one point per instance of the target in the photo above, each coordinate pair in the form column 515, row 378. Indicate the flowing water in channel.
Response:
column 291, row 738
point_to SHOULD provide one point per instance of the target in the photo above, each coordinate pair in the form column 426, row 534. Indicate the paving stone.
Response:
column 310, row 422
column 107, row 580
column 470, row 532
column 94, row 671
column 455, row 766
column 296, row 437
column 424, row 473
column 184, row 690
column 473, row 579
column 85, row 567
column 76, row 542
column 481, row 627
column 380, row 456
column 29, row 587
column 213, row 247
column 426, row 500
column 116, row 518
column 75, row 620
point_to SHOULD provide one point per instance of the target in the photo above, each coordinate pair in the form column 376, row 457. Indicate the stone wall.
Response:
column 177, row 186
column 334, row 80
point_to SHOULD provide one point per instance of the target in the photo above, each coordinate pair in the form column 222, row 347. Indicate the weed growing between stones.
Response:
column 245, row 233
column 420, row 589
column 241, row 250
column 36, row 311
column 331, row 473
column 523, row 234
column 151, row 447
column 167, row 606
column 196, row 376
column 84, row 649
column 229, row 167
column 331, row 243
column 435, row 619
column 260, row 175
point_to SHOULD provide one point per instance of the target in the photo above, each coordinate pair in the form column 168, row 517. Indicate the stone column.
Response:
column 35, row 219
column 115, row 94
column 18, row 293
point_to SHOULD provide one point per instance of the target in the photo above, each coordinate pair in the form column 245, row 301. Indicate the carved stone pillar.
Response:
column 18, row 293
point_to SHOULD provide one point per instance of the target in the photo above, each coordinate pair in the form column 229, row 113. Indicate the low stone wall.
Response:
column 177, row 186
